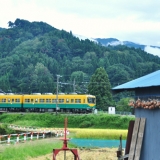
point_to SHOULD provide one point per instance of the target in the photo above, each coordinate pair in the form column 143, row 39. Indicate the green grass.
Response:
column 102, row 126
column 28, row 123
column 36, row 148
column 101, row 121
column 29, row 149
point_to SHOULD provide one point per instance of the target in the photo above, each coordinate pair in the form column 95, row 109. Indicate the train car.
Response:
column 48, row 103
column 62, row 103
column 11, row 102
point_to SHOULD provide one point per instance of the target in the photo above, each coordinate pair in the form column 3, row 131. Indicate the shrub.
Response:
column 5, row 130
column 85, row 124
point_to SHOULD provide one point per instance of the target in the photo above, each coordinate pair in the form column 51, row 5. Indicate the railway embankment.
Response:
column 51, row 120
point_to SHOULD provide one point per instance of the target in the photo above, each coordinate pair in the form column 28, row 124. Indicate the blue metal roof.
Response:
column 152, row 79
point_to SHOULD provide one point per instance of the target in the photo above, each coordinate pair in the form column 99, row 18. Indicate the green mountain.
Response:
column 1, row 29
column 33, row 54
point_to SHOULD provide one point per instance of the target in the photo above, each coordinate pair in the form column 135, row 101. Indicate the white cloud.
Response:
column 152, row 50
column 133, row 20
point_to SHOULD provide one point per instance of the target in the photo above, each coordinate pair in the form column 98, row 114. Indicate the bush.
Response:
column 5, row 130
column 85, row 124
column 74, row 121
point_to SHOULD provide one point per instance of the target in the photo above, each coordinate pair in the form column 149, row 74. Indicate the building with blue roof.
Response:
column 147, row 86
column 147, row 105
column 152, row 79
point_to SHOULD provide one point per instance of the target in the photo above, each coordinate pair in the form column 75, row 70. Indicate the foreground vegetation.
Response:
column 29, row 149
column 100, row 126
column 101, row 121
column 43, row 150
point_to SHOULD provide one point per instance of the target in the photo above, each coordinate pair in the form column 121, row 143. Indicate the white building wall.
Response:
column 111, row 110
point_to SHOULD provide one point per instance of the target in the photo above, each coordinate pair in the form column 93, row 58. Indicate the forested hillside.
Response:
column 1, row 29
column 32, row 54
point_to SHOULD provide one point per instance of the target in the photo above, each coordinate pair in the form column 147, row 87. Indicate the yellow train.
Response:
column 48, row 103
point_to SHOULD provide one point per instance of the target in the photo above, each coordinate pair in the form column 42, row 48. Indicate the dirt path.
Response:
column 92, row 154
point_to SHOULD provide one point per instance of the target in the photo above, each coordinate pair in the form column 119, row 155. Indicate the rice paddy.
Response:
column 99, row 133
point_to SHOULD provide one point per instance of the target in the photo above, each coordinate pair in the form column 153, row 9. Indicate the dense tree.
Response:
column 78, row 79
column 119, row 74
column 122, row 105
column 41, row 79
column 27, row 49
column 99, row 85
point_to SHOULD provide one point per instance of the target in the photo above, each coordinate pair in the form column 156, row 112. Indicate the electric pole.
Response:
column 58, row 76
column 74, row 89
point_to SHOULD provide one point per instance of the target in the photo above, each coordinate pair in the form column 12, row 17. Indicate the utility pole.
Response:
column 74, row 90
column 58, row 76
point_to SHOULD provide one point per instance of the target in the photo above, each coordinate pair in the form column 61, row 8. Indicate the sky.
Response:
column 127, row 20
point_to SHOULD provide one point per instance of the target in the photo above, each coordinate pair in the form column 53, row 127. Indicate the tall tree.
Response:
column 100, row 87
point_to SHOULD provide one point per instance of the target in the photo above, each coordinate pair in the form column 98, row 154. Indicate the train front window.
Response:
column 91, row 100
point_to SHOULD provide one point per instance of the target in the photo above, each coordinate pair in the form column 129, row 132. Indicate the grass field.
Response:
column 86, row 126
column 43, row 150
column 101, row 121
column 23, row 151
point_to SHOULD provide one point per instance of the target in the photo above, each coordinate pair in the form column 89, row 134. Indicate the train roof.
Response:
column 36, row 94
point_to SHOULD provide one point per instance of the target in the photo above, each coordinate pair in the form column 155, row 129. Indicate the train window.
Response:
column 54, row 100
column 78, row 101
column 61, row 100
column 12, row 100
column 8, row 100
column 41, row 100
column 3, row 100
column 27, row 100
column 84, row 101
column 32, row 101
column 72, row 100
column 36, row 100
column 17, row 100
column 67, row 100
column 91, row 100
column 48, row 100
